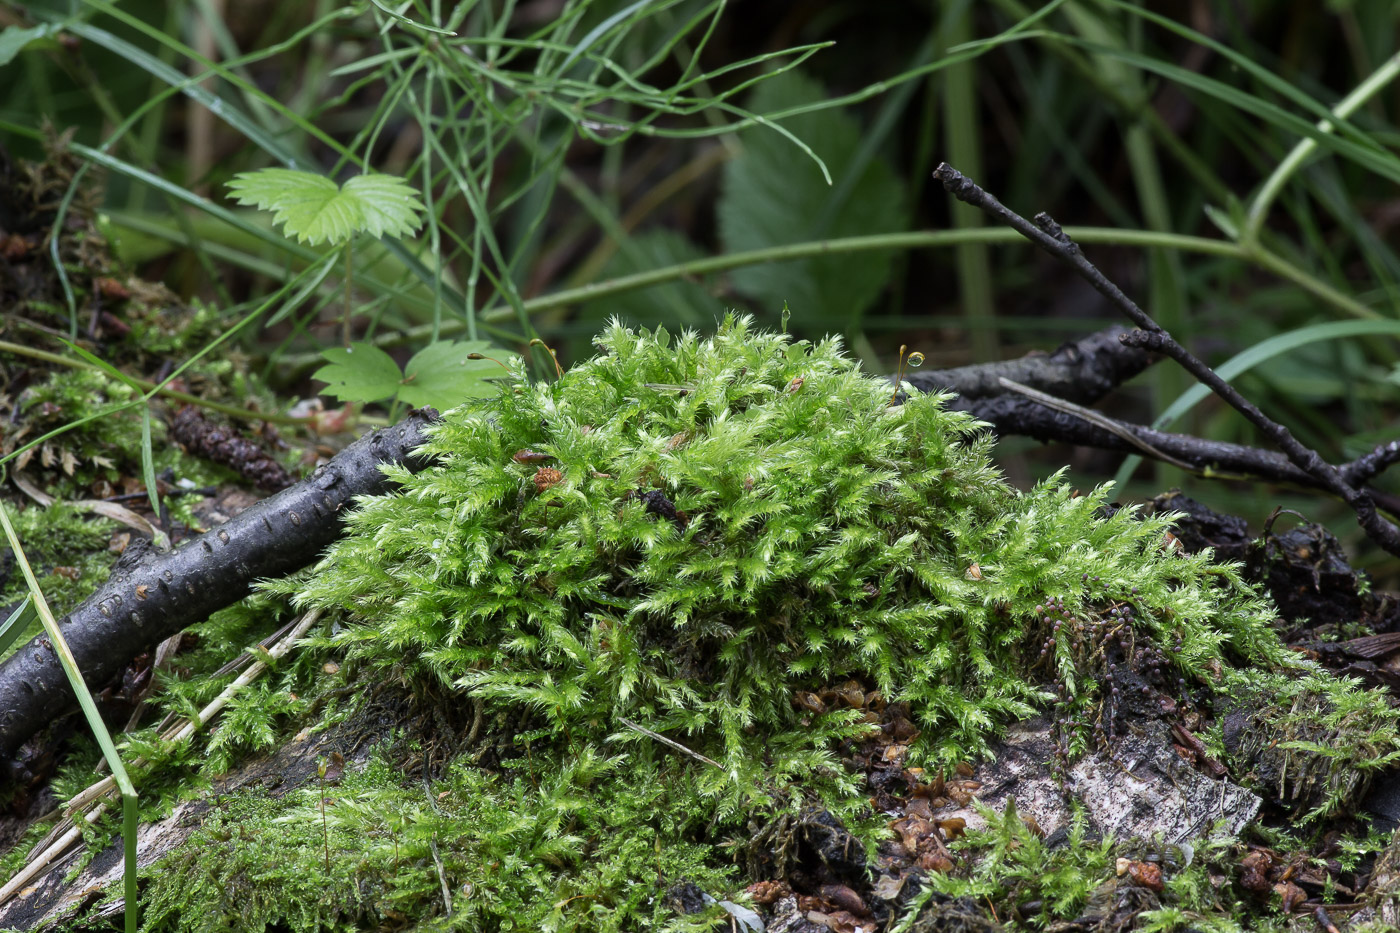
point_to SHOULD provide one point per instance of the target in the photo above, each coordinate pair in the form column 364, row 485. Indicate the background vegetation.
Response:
column 564, row 148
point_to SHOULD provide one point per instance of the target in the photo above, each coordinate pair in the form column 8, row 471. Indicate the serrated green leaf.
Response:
column 440, row 374
column 388, row 205
column 313, row 209
column 773, row 195
column 360, row 372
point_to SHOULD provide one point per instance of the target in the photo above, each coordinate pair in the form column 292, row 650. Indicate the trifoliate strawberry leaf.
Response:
column 360, row 372
column 440, row 374
column 313, row 209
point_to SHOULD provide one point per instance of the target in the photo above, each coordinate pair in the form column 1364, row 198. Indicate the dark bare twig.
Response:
column 1093, row 417
column 1370, row 465
column 1085, row 370
column 1081, row 371
column 1009, row 414
column 1046, row 233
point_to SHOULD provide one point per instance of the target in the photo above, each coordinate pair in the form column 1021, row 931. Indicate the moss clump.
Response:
column 694, row 539
column 103, row 450
column 67, row 550
column 688, row 535
column 106, row 443
column 553, row 847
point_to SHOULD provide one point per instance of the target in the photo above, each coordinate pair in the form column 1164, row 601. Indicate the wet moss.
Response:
column 681, row 540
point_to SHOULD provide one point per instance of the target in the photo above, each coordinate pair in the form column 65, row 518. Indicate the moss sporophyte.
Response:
column 641, row 578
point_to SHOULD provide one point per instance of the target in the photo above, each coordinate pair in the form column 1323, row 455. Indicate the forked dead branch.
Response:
column 1048, row 235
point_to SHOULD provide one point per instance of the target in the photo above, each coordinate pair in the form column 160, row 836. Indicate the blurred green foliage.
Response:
column 615, row 139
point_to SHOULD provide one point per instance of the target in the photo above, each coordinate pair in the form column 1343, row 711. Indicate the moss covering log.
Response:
column 691, row 598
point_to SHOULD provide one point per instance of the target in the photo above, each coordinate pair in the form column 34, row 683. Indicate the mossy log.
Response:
column 715, row 624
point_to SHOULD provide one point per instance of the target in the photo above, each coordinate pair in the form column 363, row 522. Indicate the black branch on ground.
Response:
column 1081, row 371
column 152, row 594
column 1012, row 414
column 1085, row 370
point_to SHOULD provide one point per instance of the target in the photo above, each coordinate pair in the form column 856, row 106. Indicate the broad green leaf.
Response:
column 440, row 374
column 360, row 372
column 313, row 209
column 773, row 196
column 14, row 40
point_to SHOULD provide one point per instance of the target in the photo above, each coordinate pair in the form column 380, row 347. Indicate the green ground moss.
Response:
column 105, row 445
column 557, row 845
column 60, row 536
column 67, row 549
column 685, row 536
column 723, row 522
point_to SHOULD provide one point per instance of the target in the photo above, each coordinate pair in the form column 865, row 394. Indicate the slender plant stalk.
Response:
column 130, row 801
column 345, row 321
column 1259, row 207
column 920, row 239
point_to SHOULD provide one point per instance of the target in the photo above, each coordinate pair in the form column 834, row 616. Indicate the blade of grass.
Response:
column 1381, row 163
column 1259, row 205
column 17, row 622
column 148, row 461
column 264, row 235
column 1166, row 300
column 962, row 135
column 920, row 239
column 151, row 389
column 94, row 718
column 1267, row 77
column 228, row 110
